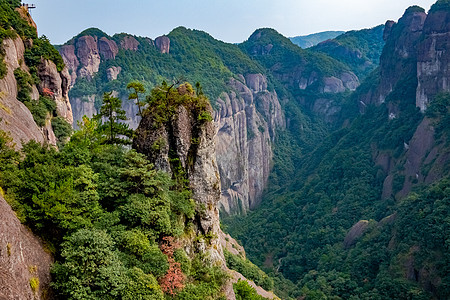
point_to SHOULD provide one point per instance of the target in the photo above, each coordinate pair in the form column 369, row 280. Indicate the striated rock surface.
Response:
column 162, row 43
column 433, row 61
column 191, row 143
column 58, row 83
column 113, row 72
column 107, row 48
column 16, row 118
column 22, row 260
column 71, row 61
column 399, row 57
column 88, row 55
column 247, row 119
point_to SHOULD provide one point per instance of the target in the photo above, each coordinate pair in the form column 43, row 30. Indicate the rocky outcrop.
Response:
column 88, row 55
column 433, row 61
column 113, row 72
column 24, row 264
column 247, row 119
column 129, row 43
column 71, row 61
column 162, row 43
column 356, row 232
column 58, row 84
column 399, row 57
column 15, row 116
column 107, row 48
column 185, row 140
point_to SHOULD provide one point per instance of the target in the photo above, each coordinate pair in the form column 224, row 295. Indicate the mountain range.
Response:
column 332, row 160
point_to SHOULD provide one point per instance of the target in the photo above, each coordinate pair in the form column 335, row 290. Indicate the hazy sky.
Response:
column 227, row 20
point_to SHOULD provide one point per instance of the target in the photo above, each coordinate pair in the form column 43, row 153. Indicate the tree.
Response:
column 113, row 128
column 138, row 88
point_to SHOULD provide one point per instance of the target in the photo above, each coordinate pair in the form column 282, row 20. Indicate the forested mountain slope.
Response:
column 247, row 95
column 354, row 217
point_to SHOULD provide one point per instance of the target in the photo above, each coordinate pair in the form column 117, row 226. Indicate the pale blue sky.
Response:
column 227, row 20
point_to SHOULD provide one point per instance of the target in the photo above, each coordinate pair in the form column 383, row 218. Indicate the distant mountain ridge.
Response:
column 310, row 40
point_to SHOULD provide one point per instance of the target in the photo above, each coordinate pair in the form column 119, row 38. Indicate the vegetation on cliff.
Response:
column 315, row 197
column 115, row 224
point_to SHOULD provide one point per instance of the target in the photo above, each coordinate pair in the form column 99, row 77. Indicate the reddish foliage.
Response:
column 47, row 92
column 174, row 278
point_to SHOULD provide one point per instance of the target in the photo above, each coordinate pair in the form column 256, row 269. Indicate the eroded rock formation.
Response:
column 247, row 119
column 15, row 116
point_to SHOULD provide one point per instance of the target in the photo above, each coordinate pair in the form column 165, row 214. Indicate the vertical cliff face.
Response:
column 247, row 116
column 184, row 146
column 16, row 117
column 415, row 58
column 247, row 119
column 433, row 61
column 399, row 57
column 24, row 264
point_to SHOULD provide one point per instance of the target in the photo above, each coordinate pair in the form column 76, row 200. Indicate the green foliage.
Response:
column 113, row 128
column 138, row 88
column 360, row 50
column 62, row 130
column 249, row 270
column 244, row 291
column 439, row 111
column 34, row 284
column 39, row 109
column 195, row 55
column 440, row 5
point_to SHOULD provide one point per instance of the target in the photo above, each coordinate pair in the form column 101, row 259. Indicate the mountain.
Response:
column 247, row 95
column 247, row 113
column 87, row 218
column 307, row 41
column 359, row 49
column 361, row 214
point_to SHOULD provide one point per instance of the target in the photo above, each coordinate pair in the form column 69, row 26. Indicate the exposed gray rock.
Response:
column 108, row 49
column 247, row 119
column 58, row 84
column 163, row 44
column 71, row 61
column 16, row 118
column 129, row 43
column 355, row 233
column 88, row 55
column 23, row 258
column 433, row 62
column 113, row 72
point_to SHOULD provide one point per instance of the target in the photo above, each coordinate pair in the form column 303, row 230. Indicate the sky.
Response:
column 227, row 20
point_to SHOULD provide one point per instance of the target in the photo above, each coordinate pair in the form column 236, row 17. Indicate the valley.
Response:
column 329, row 165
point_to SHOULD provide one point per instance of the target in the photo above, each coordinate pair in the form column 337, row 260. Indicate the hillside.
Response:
column 310, row 40
column 359, row 49
column 84, row 216
column 354, row 217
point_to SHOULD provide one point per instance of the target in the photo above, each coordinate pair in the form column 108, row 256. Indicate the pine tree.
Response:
column 115, row 131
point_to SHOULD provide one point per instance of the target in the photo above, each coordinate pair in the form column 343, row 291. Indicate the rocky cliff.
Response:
column 247, row 114
column 413, row 70
column 433, row 60
column 15, row 115
column 24, row 262
column 247, row 120
column 313, row 79
column 184, row 146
